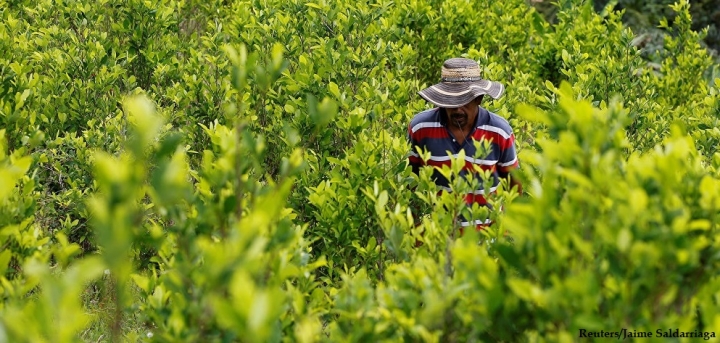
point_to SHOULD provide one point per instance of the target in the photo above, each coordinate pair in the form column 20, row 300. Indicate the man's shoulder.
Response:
column 426, row 116
column 498, row 122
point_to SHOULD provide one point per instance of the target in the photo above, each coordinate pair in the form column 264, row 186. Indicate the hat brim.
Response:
column 458, row 94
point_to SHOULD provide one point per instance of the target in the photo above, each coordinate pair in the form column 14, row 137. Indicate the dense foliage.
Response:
column 646, row 15
column 236, row 171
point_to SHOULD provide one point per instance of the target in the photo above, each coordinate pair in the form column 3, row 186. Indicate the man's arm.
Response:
column 413, row 158
column 415, row 163
column 514, row 182
column 508, row 162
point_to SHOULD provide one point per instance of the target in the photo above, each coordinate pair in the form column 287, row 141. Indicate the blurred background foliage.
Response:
column 644, row 18
column 218, row 171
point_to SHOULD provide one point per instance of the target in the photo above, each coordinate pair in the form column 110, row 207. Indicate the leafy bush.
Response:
column 644, row 16
column 236, row 171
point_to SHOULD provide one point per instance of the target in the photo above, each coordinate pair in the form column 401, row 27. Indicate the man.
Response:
column 458, row 121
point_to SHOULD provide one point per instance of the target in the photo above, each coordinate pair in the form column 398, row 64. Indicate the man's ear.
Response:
column 479, row 99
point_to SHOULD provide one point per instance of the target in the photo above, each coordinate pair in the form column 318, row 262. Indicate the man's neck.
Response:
column 470, row 124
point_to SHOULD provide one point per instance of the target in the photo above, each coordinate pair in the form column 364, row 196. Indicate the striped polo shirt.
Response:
column 428, row 130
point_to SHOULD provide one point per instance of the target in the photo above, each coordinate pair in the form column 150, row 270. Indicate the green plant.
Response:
column 237, row 171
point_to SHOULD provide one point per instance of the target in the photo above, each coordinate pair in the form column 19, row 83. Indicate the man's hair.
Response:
column 480, row 98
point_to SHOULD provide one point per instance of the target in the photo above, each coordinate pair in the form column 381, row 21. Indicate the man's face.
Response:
column 460, row 117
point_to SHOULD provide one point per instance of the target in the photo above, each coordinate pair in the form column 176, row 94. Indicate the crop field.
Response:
column 237, row 171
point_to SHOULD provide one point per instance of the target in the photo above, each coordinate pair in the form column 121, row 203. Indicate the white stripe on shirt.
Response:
column 495, row 129
column 424, row 125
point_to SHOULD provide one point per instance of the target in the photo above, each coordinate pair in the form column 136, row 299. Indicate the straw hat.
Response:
column 460, row 83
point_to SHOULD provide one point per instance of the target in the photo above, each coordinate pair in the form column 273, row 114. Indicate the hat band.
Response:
column 460, row 79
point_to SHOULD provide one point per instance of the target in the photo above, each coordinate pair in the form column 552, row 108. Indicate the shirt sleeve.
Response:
column 413, row 157
column 508, row 157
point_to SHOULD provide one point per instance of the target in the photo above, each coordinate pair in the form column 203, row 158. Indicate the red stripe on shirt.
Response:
column 494, row 137
column 430, row 132
column 475, row 198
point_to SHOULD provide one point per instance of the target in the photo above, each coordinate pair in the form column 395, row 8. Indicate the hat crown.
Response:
column 460, row 70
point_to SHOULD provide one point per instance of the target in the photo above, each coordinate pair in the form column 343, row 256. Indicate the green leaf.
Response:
column 382, row 199
column 141, row 281
column 5, row 256
column 533, row 114
column 334, row 90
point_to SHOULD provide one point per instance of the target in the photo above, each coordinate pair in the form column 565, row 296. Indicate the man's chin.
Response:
column 459, row 122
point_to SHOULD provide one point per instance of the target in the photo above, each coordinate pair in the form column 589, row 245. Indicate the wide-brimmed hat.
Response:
column 460, row 83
